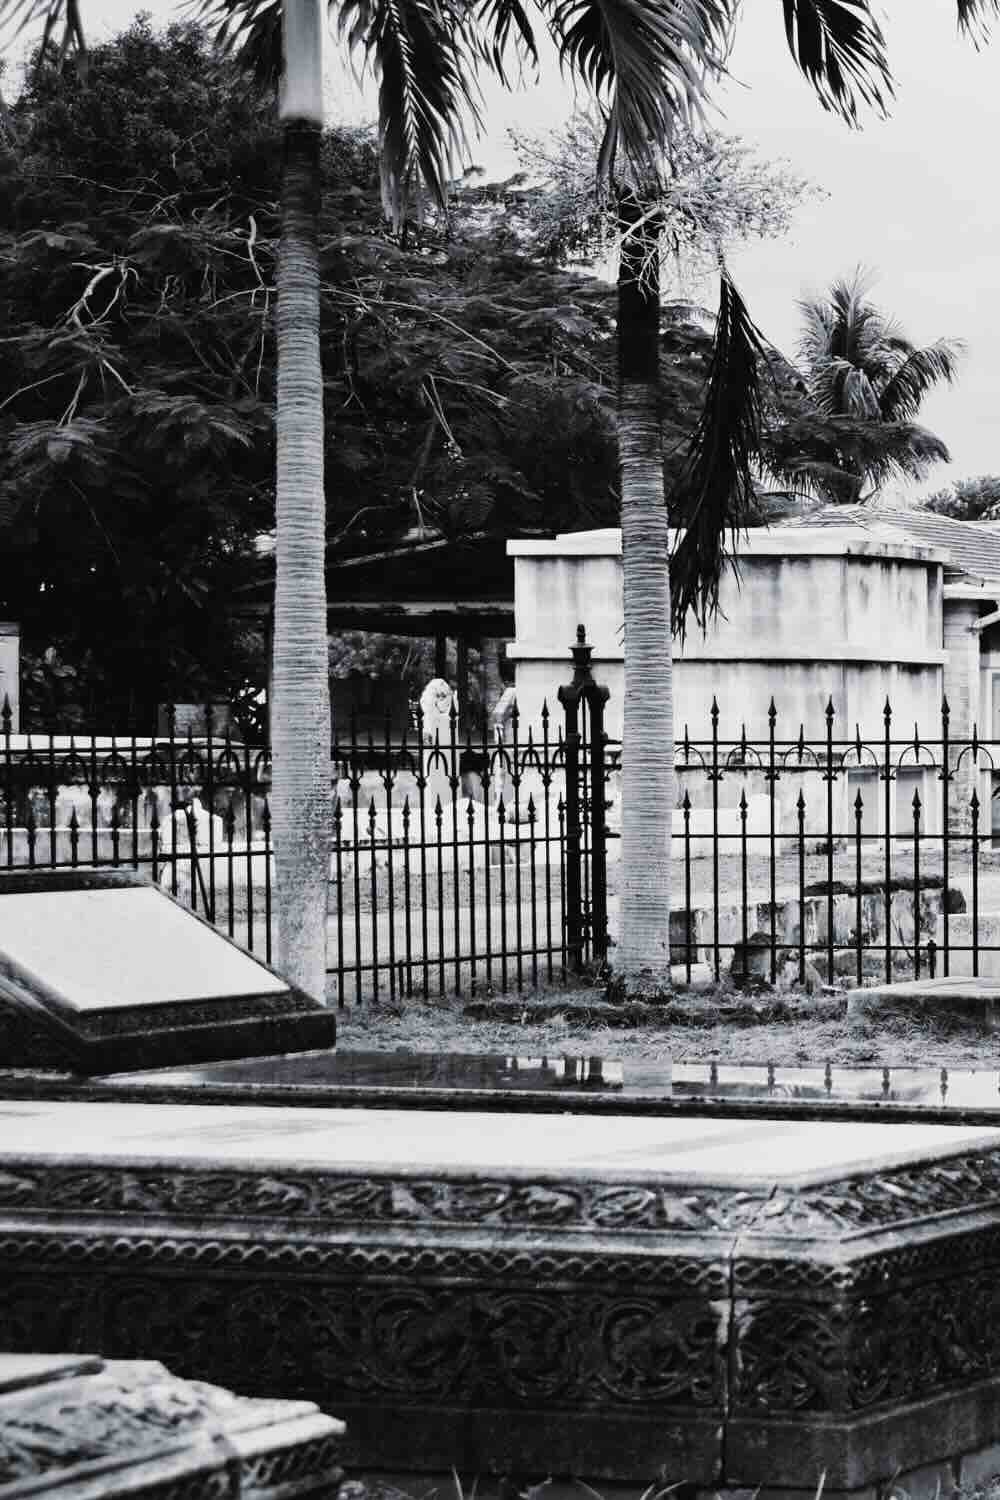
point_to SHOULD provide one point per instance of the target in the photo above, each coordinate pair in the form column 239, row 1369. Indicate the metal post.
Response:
column 583, row 689
column 569, row 697
column 597, row 697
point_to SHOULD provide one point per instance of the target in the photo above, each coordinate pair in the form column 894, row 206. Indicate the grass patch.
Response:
column 708, row 1026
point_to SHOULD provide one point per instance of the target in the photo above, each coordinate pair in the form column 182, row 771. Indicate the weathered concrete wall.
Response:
column 814, row 614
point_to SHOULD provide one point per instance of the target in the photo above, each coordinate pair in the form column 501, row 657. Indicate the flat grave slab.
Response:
column 717, row 1302
column 103, row 971
column 761, row 1152
column 85, row 1427
column 102, row 949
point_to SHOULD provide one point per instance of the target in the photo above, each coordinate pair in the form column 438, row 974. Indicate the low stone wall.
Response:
column 697, row 927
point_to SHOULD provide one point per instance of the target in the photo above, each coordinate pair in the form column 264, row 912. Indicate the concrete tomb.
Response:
column 721, row 1303
column 100, row 972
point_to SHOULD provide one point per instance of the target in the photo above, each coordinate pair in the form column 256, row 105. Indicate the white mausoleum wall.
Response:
column 816, row 614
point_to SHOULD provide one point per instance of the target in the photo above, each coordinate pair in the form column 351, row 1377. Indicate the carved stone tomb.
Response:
column 726, row 1303
column 80, row 1427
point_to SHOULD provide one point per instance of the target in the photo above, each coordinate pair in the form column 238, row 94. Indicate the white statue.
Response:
column 436, row 703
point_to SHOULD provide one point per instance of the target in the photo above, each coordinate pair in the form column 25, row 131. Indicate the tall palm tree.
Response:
column 300, row 708
column 857, row 364
column 708, row 193
column 648, row 64
column 643, row 956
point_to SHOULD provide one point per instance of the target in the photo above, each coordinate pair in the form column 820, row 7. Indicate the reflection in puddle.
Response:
column 577, row 1076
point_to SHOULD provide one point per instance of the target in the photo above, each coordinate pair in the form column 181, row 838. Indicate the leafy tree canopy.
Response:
column 469, row 381
column 469, row 372
column 466, row 384
column 968, row 499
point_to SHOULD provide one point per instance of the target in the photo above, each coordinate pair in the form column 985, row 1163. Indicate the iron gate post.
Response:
column 583, row 690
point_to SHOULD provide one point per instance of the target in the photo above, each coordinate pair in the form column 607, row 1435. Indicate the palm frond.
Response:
column 858, row 362
column 506, row 24
column 974, row 17
column 854, row 393
column 838, row 387
column 23, row 14
column 819, row 479
column 904, row 393
column 28, row 12
column 646, row 65
column 835, row 456
column 839, row 47
column 716, row 490
column 249, row 30
column 421, row 53
column 844, row 325
column 815, row 333
column 910, row 450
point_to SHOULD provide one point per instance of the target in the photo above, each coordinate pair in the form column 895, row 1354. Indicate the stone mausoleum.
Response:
column 851, row 605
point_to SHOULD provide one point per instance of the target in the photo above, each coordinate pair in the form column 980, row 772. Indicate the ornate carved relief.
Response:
column 564, row 1349
column 32, row 1042
column 161, row 1017
column 318, row 1196
column 907, row 1344
column 679, row 1275
column 875, row 1200
column 791, row 1357
column 832, row 1209
column 87, row 1419
column 853, row 1354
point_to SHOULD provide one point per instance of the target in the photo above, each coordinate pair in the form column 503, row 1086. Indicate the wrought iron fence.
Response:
column 191, row 809
column 456, row 863
column 462, row 862
column 856, row 856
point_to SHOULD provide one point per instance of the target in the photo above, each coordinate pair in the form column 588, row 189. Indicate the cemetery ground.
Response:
column 718, row 1022
column 710, row 1025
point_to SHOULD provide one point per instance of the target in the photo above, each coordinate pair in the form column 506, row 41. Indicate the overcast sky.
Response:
column 914, row 198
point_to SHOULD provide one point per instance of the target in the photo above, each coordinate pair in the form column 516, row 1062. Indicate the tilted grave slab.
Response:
column 86, row 1429
column 103, row 971
column 723, row 1303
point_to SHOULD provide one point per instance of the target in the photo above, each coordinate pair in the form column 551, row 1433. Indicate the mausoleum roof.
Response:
column 973, row 546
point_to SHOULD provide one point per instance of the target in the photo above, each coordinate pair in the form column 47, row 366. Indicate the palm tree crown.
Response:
column 846, row 416
column 858, row 362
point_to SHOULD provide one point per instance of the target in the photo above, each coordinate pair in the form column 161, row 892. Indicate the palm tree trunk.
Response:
column 300, row 717
column 643, row 956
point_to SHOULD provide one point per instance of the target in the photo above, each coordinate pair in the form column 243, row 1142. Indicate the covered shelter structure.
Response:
column 456, row 591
